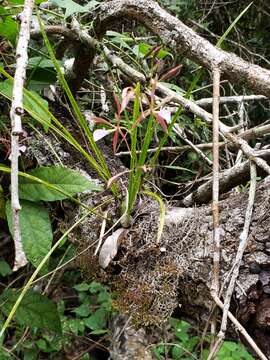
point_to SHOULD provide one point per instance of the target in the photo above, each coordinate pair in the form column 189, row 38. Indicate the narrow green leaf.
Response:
column 100, row 166
column 28, row 102
column 224, row 36
column 68, row 181
column 35, row 310
column 36, row 230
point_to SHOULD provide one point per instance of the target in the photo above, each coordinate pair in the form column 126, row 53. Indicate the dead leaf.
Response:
column 110, row 247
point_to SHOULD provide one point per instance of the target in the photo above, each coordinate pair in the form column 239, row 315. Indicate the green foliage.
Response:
column 185, row 346
column 9, row 29
column 71, row 7
column 35, row 310
column 93, row 303
column 68, row 181
column 4, row 268
column 233, row 351
column 52, row 328
column 99, row 166
column 35, row 223
column 36, row 230
column 94, row 310
column 31, row 101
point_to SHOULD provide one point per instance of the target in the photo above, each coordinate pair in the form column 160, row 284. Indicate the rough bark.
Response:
column 155, row 280
column 184, row 40
column 177, row 273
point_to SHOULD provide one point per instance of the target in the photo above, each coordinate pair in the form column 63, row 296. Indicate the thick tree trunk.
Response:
column 175, row 275
column 154, row 279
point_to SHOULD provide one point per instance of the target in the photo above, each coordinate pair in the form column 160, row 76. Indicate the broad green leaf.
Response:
column 3, row 11
column 69, row 181
column 36, row 230
column 35, row 310
column 16, row 2
column 4, row 268
column 30, row 354
column 29, row 104
column 4, row 355
column 141, row 50
column 96, row 287
column 82, row 287
column 74, row 325
column 83, row 310
column 72, row 7
column 97, row 321
column 39, row 61
column 177, row 352
column 9, row 29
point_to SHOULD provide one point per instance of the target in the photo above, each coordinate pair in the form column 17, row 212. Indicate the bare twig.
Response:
column 241, row 248
column 249, row 152
column 231, row 99
column 215, row 192
column 189, row 105
column 256, row 132
column 241, row 329
column 16, row 113
column 206, row 146
column 183, row 136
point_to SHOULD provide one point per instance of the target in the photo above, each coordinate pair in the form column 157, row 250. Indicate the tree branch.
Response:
column 182, row 39
column 16, row 112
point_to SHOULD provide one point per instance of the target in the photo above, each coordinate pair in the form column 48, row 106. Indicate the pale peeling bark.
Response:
column 182, row 39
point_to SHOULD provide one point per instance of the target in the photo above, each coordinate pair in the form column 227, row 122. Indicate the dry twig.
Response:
column 16, row 113
column 215, row 192
column 235, row 270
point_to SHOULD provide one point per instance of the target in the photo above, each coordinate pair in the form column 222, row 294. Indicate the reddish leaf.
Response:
column 99, row 120
column 115, row 141
column 171, row 73
column 115, row 177
column 162, row 122
column 117, row 103
column 124, row 138
column 153, row 90
column 153, row 51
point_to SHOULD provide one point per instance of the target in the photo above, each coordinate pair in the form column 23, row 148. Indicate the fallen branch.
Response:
column 242, row 330
column 231, row 99
column 239, row 256
column 228, row 179
column 182, row 39
column 215, row 194
column 16, row 113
